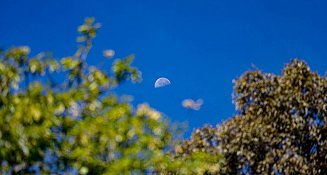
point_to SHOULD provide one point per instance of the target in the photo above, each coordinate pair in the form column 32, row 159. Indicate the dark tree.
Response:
column 281, row 126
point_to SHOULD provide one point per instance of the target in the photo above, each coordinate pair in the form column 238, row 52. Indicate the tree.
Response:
column 63, row 117
column 281, row 126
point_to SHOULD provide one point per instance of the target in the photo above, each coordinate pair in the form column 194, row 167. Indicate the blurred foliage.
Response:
column 62, row 117
column 281, row 126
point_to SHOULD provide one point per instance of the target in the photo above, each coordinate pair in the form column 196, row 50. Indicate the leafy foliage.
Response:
column 281, row 127
column 199, row 155
column 62, row 116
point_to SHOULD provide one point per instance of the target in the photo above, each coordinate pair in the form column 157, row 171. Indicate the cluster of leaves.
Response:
column 63, row 117
column 281, row 126
column 199, row 155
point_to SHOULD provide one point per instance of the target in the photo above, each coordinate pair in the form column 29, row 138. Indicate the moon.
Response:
column 161, row 82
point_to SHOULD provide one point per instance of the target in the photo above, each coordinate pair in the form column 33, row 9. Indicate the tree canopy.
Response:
column 280, row 128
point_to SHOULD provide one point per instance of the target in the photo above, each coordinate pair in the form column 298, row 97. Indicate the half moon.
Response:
column 161, row 82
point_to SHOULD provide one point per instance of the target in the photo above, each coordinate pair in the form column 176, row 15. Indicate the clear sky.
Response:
column 200, row 45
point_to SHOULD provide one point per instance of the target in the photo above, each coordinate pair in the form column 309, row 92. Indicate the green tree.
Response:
column 199, row 155
column 64, row 117
column 281, row 126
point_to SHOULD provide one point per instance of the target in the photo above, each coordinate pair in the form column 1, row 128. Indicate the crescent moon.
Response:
column 161, row 82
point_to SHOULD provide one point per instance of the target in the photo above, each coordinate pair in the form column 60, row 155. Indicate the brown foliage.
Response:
column 281, row 126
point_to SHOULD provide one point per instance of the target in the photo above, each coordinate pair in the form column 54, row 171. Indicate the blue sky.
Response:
column 199, row 45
